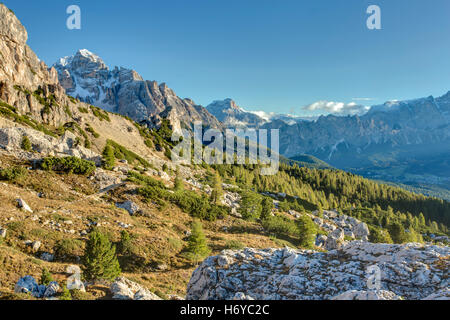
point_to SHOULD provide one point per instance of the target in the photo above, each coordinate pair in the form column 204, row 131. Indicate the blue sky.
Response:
column 275, row 56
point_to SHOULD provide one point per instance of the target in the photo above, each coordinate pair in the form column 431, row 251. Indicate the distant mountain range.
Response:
column 399, row 141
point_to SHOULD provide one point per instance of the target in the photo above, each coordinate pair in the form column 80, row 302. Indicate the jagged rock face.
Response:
column 11, row 140
column 410, row 271
column 85, row 76
column 19, row 66
column 231, row 115
column 18, row 62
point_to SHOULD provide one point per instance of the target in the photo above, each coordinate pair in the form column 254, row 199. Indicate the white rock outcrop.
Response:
column 409, row 271
column 11, row 140
column 124, row 289
column 23, row 205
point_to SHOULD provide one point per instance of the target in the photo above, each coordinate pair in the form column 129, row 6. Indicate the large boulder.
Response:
column 124, row 289
column 335, row 239
column 29, row 285
column 361, row 231
column 2, row 233
column 52, row 289
column 23, row 205
column 409, row 271
column 130, row 206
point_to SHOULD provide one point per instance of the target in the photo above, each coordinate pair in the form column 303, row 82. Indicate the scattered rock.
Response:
column 124, row 289
column 23, row 205
column 130, row 206
column 35, row 245
column 47, row 257
column 361, row 231
column 2, row 233
column 367, row 295
column 28, row 284
column 407, row 271
column 52, row 289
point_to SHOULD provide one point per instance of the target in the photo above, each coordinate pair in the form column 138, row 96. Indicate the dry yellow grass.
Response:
column 158, row 236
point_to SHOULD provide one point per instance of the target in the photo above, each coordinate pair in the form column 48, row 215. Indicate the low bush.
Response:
column 68, row 249
column 234, row 245
column 280, row 225
column 25, row 144
column 69, row 165
column 13, row 174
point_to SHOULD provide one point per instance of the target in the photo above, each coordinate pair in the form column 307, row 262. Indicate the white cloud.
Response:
column 264, row 115
column 337, row 108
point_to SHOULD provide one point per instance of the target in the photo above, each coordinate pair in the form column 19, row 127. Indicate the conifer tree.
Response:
column 267, row 206
column 307, row 231
column 250, row 205
column 197, row 246
column 100, row 260
column 217, row 190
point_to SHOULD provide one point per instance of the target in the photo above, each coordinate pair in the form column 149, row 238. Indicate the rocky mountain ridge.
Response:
column 86, row 77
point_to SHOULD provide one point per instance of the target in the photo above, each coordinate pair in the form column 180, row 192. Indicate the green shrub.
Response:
column 46, row 277
column 120, row 152
column 13, row 174
column 234, row 245
column 109, row 160
column 25, row 144
column 92, row 131
column 68, row 249
column 69, row 165
column 279, row 225
column 83, row 110
column 125, row 246
column 65, row 295
column 100, row 259
column 100, row 114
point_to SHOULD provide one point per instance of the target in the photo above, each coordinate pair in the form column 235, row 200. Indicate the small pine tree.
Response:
column 217, row 190
column 46, row 277
column 307, row 231
column 197, row 246
column 179, row 185
column 109, row 159
column 250, row 205
column 319, row 211
column 267, row 206
column 25, row 144
column 398, row 233
column 100, row 260
column 125, row 244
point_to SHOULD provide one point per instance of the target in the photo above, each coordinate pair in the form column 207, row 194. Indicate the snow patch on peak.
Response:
column 87, row 54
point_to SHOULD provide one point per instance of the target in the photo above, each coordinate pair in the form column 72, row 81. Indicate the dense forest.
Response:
column 375, row 203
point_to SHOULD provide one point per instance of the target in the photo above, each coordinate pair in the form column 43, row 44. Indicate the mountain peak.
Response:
column 226, row 104
column 10, row 26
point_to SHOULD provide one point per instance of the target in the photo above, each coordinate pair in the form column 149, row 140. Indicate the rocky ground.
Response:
column 410, row 271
